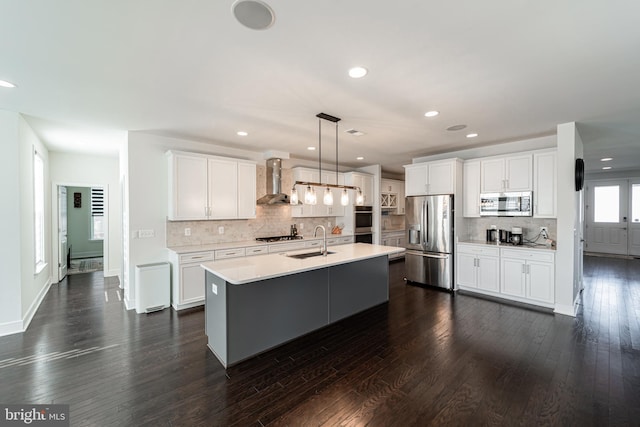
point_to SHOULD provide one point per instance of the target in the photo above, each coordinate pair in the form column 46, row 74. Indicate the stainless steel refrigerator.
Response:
column 429, row 256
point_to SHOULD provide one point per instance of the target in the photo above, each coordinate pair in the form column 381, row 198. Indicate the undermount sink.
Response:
column 307, row 254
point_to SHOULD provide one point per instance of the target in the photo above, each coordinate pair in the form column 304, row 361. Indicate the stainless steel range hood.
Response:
column 274, row 195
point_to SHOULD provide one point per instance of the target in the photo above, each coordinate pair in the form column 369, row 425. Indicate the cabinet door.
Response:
column 513, row 277
column 466, row 270
column 191, row 283
column 367, row 190
column 544, row 185
column 518, row 173
column 415, row 183
column 189, row 187
column 223, row 189
column 440, row 178
column 541, row 286
column 492, row 175
column 488, row 273
column 471, row 188
column 246, row 190
column 401, row 200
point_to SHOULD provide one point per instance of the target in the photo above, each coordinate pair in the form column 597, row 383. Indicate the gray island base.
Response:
column 243, row 320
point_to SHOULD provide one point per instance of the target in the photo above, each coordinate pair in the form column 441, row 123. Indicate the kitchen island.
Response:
column 254, row 304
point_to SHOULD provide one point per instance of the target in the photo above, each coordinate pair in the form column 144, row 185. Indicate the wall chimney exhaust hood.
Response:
column 274, row 195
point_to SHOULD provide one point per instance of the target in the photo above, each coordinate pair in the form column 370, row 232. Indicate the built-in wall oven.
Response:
column 363, row 224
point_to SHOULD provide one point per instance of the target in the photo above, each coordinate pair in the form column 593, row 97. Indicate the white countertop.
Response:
column 239, row 271
column 242, row 244
column 527, row 246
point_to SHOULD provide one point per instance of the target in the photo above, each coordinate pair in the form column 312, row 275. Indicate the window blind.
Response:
column 97, row 201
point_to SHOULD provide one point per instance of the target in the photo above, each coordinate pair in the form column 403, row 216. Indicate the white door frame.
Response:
column 55, row 239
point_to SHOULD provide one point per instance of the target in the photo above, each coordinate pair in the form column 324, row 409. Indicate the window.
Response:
column 38, row 208
column 606, row 202
column 97, row 213
column 635, row 202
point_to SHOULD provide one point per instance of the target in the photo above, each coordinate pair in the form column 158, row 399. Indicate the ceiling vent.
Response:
column 354, row 132
column 456, row 127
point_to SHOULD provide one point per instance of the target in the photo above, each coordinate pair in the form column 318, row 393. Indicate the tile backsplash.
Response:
column 476, row 227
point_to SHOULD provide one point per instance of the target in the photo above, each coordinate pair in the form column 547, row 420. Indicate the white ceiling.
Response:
column 508, row 69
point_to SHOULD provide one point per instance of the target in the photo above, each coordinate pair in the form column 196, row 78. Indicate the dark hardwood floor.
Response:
column 425, row 358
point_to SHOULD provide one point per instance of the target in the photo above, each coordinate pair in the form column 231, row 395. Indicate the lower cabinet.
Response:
column 517, row 274
column 187, row 279
column 396, row 239
column 478, row 267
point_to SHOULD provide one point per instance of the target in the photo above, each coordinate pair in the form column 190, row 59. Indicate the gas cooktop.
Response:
column 277, row 238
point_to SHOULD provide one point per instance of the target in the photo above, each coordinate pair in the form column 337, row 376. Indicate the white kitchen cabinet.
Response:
column 393, row 238
column 544, row 184
column 508, row 173
column 529, row 275
column 478, row 267
column 392, row 196
column 471, row 188
column 188, row 279
column 209, row 187
column 437, row 177
column 365, row 182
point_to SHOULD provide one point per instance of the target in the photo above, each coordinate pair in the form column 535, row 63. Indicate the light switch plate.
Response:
column 221, row 230
column 187, row 231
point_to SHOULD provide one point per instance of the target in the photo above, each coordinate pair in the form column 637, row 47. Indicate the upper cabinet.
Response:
column 544, row 184
column 437, row 177
column 365, row 182
column 471, row 188
column 210, row 187
column 392, row 196
column 508, row 173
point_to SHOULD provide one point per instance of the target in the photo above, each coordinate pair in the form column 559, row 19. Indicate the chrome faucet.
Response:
column 323, row 251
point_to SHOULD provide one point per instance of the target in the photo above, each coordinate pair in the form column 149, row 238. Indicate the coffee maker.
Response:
column 516, row 236
column 492, row 235
column 505, row 236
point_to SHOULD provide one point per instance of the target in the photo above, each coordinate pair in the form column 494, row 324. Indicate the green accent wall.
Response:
column 79, row 225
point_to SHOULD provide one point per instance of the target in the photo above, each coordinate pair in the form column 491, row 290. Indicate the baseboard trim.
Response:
column 10, row 328
column 111, row 273
column 88, row 254
column 129, row 305
column 565, row 310
column 26, row 321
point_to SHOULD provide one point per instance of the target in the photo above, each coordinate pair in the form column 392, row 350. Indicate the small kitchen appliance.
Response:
column 516, row 236
column 506, row 204
column 492, row 235
column 505, row 236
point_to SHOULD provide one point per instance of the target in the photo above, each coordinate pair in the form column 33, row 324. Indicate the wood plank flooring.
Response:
column 425, row 358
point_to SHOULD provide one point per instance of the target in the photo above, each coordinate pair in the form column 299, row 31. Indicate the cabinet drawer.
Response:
column 332, row 242
column 314, row 244
column 284, row 247
column 528, row 255
column 196, row 257
column 478, row 250
column 256, row 250
column 229, row 253
column 345, row 240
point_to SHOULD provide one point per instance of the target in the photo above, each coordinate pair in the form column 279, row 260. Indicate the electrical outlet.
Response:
column 187, row 232
column 329, row 224
column 221, row 230
column 544, row 232
column 214, row 288
column 146, row 234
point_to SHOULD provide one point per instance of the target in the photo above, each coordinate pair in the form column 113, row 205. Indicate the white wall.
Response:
column 10, row 225
column 86, row 171
column 570, row 220
column 147, row 178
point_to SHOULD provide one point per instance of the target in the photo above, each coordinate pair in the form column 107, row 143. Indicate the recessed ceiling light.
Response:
column 311, row 148
column 359, row 158
column 606, row 167
column 606, row 159
column 472, row 135
column 431, row 113
column 242, row 133
column 254, row 14
column 5, row 83
column 357, row 72
column 456, row 127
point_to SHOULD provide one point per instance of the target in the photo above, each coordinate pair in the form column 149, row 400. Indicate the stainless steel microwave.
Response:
column 506, row 204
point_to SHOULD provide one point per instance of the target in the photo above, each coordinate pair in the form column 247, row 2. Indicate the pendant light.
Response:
column 359, row 198
column 344, row 199
column 294, row 196
column 328, row 197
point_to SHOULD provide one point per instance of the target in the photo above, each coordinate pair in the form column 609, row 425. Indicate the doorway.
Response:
column 613, row 217
column 81, row 240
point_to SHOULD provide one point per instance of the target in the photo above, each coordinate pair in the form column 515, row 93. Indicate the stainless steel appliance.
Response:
column 363, row 224
column 506, row 204
column 429, row 256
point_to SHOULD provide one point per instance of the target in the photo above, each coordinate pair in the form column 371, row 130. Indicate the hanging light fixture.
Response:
column 310, row 196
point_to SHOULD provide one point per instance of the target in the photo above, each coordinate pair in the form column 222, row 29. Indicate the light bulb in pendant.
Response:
column 308, row 195
column 294, row 196
column 328, row 197
column 359, row 198
column 344, row 198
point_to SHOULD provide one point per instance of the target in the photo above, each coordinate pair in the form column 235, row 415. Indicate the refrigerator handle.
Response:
column 425, row 223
